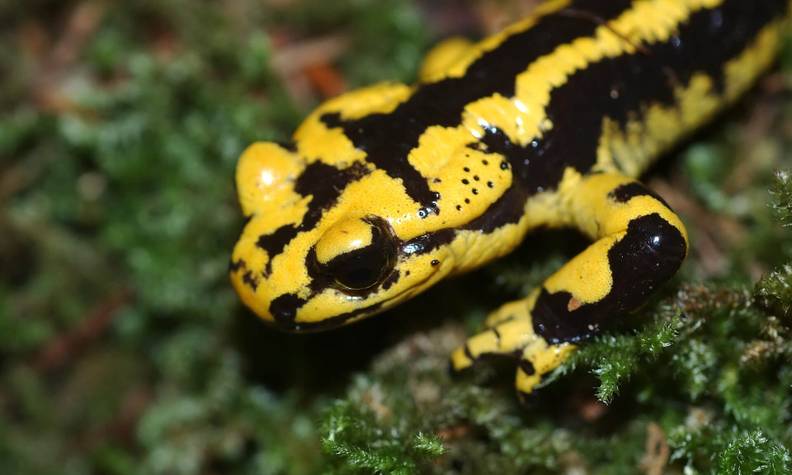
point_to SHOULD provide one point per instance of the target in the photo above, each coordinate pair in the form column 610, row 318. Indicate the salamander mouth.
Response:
column 344, row 318
column 331, row 322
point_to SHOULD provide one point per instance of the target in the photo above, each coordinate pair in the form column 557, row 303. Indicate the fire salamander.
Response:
column 386, row 190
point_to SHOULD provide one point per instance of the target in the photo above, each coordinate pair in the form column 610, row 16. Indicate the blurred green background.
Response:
column 123, row 349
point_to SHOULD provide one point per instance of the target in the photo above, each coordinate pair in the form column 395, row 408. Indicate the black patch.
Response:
column 497, row 334
column 291, row 146
column 234, row 266
column 284, row 309
column 274, row 243
column 428, row 242
column 626, row 192
column 324, row 183
column 423, row 213
column 250, row 280
column 392, row 279
column 468, row 353
column 577, row 108
column 646, row 257
column 508, row 208
column 533, row 172
column 319, row 280
column 704, row 43
column 388, row 138
column 527, row 367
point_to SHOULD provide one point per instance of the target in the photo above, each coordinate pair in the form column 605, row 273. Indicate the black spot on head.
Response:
column 490, row 184
column 435, row 263
column 504, row 165
column 459, row 207
column 274, row 242
column 284, row 309
column 475, row 191
column 465, row 181
column 484, row 162
column 476, row 177
column 250, row 280
column 467, row 170
column 467, row 201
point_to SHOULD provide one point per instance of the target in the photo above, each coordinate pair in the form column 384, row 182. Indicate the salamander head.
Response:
column 329, row 243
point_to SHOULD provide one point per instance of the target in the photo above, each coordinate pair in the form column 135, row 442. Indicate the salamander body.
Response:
column 386, row 190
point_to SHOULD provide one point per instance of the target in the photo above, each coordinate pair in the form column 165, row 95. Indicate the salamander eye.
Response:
column 364, row 254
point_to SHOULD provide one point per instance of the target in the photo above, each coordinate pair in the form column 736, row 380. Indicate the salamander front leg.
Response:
column 639, row 243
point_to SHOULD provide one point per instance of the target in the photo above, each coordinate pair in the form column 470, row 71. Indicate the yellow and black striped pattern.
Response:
column 386, row 190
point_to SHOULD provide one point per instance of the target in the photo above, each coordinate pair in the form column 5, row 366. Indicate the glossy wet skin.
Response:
column 389, row 189
column 329, row 251
column 448, row 174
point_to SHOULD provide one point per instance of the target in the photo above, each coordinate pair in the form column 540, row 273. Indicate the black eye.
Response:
column 365, row 268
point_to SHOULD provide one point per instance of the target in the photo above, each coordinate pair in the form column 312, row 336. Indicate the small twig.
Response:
column 299, row 56
column 326, row 79
column 497, row 15
column 655, row 458
column 303, row 65
column 84, row 20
